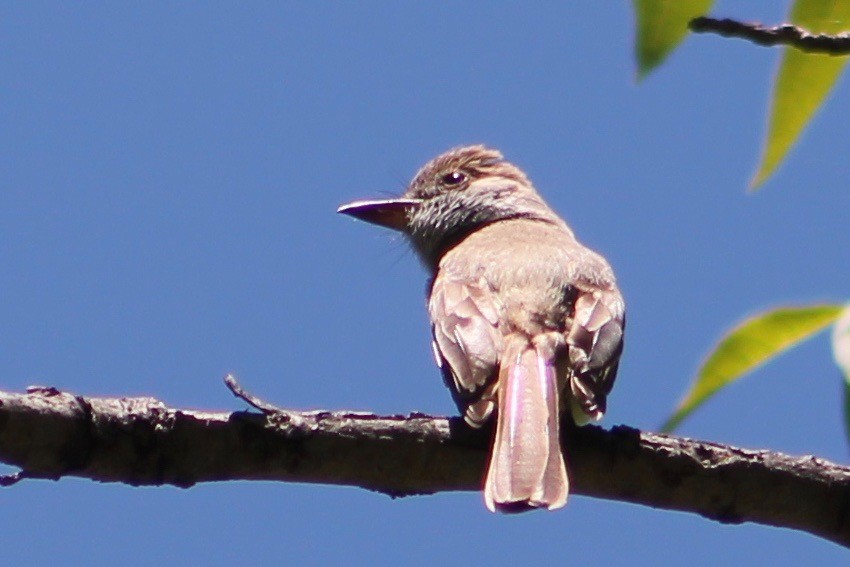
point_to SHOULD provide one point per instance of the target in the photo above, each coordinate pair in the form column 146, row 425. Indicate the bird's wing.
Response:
column 595, row 341
column 467, row 343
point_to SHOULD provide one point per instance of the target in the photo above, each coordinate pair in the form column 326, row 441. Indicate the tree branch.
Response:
column 787, row 34
column 140, row 441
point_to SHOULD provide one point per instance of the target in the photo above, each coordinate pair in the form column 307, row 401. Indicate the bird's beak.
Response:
column 389, row 213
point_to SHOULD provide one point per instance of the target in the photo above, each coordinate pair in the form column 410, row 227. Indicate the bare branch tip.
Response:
column 15, row 478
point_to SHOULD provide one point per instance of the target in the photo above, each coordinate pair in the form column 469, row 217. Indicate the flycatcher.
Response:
column 527, row 322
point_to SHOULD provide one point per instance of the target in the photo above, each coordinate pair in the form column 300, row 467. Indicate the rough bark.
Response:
column 140, row 441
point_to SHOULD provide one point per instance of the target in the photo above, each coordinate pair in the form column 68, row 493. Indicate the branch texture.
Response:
column 787, row 34
column 140, row 441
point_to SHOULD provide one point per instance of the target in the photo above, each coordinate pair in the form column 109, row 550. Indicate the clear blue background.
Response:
column 168, row 179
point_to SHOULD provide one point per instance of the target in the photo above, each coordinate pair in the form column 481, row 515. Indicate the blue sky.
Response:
column 168, row 181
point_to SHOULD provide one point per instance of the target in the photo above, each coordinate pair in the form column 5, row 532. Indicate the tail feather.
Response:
column 526, row 465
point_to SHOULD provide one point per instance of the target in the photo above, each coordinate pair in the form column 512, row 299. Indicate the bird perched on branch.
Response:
column 527, row 322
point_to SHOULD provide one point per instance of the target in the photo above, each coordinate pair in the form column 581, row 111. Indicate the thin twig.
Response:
column 234, row 386
column 786, row 34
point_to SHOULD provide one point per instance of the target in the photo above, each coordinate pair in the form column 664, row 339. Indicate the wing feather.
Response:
column 595, row 342
column 467, row 339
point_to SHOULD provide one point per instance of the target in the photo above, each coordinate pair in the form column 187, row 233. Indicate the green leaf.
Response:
column 841, row 352
column 802, row 82
column 750, row 344
column 661, row 26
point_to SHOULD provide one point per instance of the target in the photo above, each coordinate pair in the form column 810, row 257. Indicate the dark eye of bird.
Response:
column 454, row 178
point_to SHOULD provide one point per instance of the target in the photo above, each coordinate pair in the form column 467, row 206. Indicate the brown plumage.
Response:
column 527, row 322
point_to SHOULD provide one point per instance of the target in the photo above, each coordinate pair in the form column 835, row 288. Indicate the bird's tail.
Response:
column 526, row 464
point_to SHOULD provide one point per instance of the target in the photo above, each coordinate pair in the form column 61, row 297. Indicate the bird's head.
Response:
column 453, row 195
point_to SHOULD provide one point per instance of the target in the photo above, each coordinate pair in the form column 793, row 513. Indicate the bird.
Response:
column 527, row 323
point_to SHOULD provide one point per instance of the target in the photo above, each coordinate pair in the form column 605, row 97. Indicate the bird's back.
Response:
column 532, row 266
